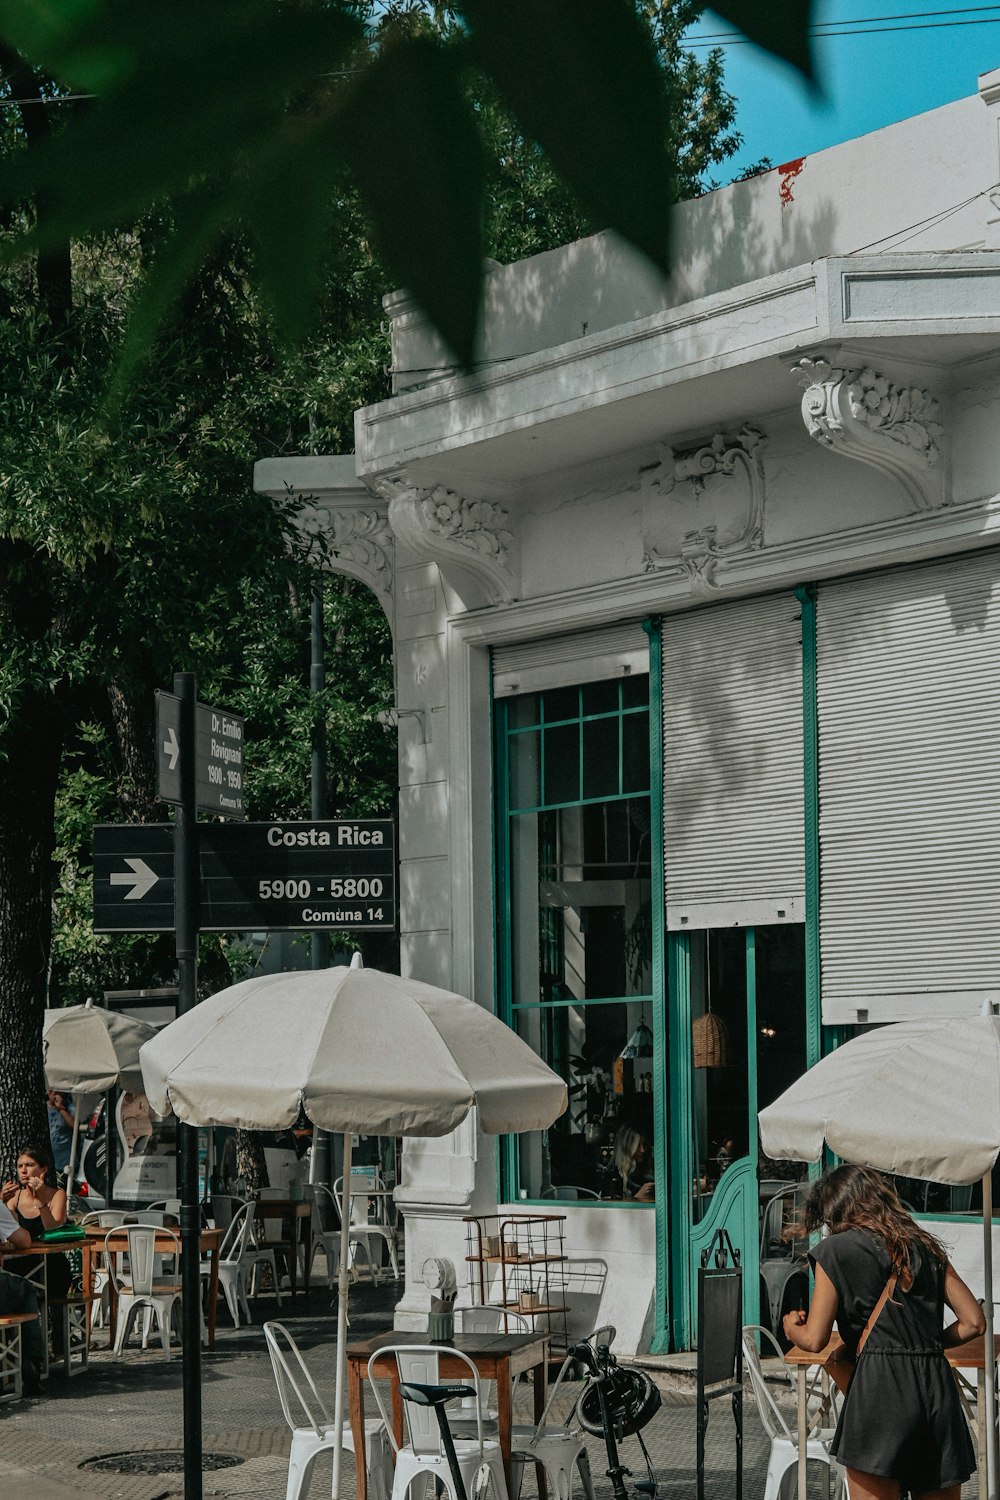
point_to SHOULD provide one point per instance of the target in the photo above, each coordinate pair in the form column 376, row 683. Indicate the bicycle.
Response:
column 617, row 1403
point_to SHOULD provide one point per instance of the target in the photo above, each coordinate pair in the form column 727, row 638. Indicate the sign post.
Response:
column 186, row 925
column 216, row 750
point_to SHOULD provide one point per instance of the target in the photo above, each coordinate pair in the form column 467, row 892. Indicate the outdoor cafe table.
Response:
column 296, row 1211
column 496, row 1356
column 38, row 1275
column 968, row 1356
column 208, row 1244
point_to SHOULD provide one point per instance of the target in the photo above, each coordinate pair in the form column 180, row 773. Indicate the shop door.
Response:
column 738, row 1038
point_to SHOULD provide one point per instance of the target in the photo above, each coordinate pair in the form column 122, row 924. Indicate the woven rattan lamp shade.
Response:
column 710, row 1041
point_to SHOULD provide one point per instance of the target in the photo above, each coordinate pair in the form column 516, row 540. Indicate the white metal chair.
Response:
column 557, row 1446
column 367, row 1224
column 235, row 1263
column 258, row 1253
column 423, row 1456
column 104, row 1218
column 784, row 1455
column 138, row 1289
column 312, row 1426
column 326, row 1232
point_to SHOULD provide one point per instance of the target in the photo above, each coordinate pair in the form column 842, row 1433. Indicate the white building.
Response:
column 693, row 591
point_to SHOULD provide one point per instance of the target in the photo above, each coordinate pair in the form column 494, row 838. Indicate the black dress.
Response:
column 902, row 1416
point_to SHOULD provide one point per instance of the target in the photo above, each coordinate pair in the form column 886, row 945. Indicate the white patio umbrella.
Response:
column 86, row 1049
column 918, row 1098
column 361, row 1052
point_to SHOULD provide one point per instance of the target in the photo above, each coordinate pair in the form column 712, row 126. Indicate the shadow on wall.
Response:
column 585, row 1283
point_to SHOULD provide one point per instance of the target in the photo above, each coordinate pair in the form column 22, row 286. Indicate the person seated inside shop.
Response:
column 634, row 1164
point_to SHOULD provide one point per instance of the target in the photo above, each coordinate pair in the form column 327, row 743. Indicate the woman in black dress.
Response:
column 901, row 1428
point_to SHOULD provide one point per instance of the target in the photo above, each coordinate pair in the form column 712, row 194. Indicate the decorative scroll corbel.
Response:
column 358, row 543
column 862, row 415
column 470, row 540
column 701, row 550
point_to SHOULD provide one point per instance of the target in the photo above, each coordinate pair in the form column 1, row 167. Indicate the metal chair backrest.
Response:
column 772, row 1245
column 604, row 1334
column 296, row 1387
column 142, row 1253
column 327, row 1209
column 224, row 1206
column 105, row 1218
column 419, row 1364
column 770, row 1413
column 237, row 1238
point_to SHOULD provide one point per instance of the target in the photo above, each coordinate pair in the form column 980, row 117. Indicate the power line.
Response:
column 736, row 40
column 908, row 15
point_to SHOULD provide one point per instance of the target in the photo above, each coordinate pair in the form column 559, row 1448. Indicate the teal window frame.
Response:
column 504, row 811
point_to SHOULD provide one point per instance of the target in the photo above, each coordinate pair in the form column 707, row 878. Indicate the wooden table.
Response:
column 968, row 1356
column 38, row 1275
column 209, row 1242
column 496, row 1356
column 297, row 1211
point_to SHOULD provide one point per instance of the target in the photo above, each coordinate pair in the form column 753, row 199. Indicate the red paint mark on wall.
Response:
column 787, row 175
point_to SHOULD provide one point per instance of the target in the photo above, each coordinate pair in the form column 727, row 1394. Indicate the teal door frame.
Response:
column 734, row 1203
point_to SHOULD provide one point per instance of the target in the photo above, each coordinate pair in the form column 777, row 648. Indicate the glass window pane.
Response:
column 525, row 761
column 580, row 903
column 600, row 757
column 600, row 697
column 562, row 763
column 635, row 753
column 635, row 691
column 611, row 1101
column 561, row 703
column 524, row 710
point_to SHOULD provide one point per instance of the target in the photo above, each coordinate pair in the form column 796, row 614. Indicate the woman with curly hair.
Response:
column 901, row 1427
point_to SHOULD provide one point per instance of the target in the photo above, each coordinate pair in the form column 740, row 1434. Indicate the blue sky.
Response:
column 870, row 79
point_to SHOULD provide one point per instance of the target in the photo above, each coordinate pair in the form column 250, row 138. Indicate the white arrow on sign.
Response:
column 141, row 880
column 171, row 748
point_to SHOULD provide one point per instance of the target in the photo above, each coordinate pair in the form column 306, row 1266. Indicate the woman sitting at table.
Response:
column 38, row 1204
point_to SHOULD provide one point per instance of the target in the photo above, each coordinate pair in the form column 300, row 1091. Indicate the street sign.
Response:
column 334, row 876
column 134, row 877
column 218, row 756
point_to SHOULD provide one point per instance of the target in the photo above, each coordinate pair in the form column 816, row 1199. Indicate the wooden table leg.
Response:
column 505, row 1420
column 356, row 1411
column 802, row 1413
column 307, row 1246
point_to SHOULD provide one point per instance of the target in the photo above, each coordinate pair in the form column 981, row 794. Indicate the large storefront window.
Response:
column 576, row 924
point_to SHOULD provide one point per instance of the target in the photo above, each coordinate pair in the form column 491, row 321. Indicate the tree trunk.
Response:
column 250, row 1164
column 133, row 712
column 32, row 746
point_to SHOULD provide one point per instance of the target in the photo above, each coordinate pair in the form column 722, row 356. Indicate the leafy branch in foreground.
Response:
column 257, row 114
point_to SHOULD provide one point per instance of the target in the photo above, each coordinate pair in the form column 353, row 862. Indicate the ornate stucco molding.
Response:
column 701, row 551
column 863, row 415
column 358, row 542
column 470, row 540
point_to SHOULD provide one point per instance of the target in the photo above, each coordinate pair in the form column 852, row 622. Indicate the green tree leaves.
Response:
column 254, row 110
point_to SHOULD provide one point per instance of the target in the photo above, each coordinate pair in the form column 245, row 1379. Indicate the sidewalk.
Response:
column 134, row 1406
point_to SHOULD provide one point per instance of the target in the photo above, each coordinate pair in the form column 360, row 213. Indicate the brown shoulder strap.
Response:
column 876, row 1311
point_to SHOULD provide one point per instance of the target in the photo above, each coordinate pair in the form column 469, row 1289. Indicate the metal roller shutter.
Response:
column 908, row 669
column 563, row 660
column 732, row 795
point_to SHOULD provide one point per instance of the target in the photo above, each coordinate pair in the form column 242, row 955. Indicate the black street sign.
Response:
column 335, row 876
column 218, row 756
column 134, row 877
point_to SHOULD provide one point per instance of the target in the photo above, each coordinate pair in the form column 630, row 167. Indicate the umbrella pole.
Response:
column 73, row 1147
column 343, row 1285
column 990, row 1371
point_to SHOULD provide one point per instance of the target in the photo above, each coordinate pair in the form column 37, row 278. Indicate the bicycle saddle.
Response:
column 433, row 1395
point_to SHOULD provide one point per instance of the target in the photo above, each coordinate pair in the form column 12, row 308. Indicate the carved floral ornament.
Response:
column 470, row 539
column 684, row 474
column 863, row 415
column 358, row 541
